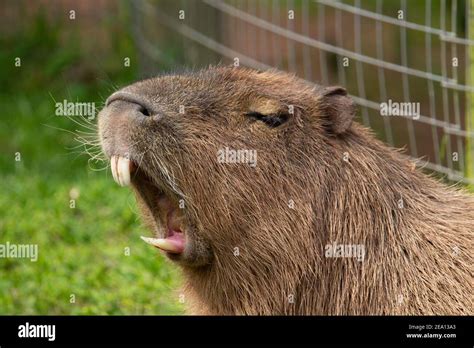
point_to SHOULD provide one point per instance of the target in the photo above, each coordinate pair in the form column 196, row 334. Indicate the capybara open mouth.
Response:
column 168, row 218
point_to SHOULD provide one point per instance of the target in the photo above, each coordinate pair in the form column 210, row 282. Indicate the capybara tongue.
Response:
column 176, row 239
column 174, row 243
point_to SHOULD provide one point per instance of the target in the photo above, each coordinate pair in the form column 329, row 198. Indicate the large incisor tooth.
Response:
column 113, row 168
column 161, row 243
column 121, row 168
column 123, row 171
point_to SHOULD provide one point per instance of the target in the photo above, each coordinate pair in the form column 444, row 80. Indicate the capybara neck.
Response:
column 365, row 196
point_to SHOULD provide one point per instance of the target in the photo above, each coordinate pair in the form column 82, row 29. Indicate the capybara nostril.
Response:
column 144, row 107
column 144, row 111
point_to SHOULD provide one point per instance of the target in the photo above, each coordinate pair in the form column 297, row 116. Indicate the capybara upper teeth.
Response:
column 120, row 170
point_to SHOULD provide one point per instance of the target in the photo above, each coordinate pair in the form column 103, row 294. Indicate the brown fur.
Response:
column 418, row 257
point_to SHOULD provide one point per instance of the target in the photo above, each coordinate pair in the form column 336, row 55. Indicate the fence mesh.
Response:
column 380, row 51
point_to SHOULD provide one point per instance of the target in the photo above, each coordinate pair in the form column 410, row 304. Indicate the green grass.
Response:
column 82, row 251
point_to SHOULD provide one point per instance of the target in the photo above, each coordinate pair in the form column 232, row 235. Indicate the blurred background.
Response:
column 57, row 193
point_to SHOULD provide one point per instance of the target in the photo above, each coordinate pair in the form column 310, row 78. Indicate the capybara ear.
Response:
column 339, row 109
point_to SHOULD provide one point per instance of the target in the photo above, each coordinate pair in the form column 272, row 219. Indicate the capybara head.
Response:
column 245, row 177
column 219, row 157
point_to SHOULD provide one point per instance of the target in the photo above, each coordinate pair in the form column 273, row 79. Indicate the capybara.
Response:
column 271, row 199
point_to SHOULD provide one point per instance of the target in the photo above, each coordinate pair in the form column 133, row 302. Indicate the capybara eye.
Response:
column 272, row 120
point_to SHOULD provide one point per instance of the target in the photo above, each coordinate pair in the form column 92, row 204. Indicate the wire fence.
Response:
column 380, row 51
